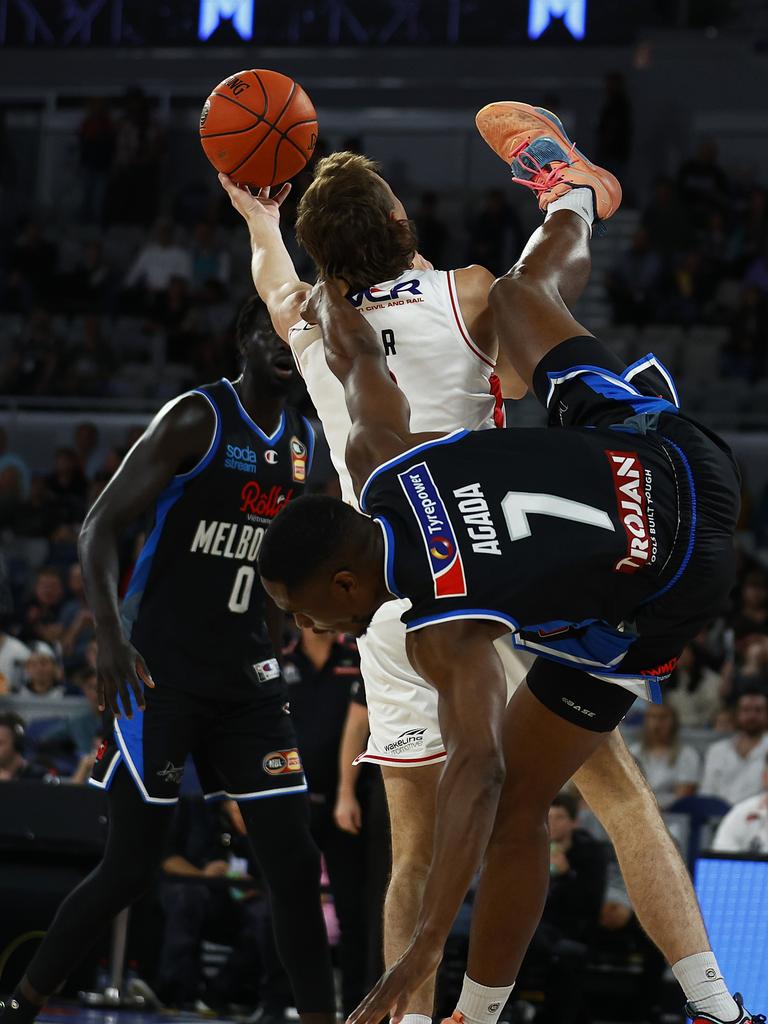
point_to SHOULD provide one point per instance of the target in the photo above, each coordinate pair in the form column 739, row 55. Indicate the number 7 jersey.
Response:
column 564, row 537
column 194, row 607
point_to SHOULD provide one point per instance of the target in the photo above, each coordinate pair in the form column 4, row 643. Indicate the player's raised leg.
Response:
column 530, row 303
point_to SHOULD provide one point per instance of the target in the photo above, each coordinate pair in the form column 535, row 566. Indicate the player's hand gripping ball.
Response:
column 259, row 127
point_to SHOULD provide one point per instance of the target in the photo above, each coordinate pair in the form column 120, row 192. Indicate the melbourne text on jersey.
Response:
column 240, row 541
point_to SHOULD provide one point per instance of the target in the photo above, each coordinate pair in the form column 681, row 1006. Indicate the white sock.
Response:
column 578, row 200
column 415, row 1018
column 480, row 1004
column 700, row 978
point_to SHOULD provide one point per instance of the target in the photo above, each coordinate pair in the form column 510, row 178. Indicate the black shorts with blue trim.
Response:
column 245, row 750
column 582, row 384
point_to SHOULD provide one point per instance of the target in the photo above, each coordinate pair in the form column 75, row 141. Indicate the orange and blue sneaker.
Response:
column 533, row 142
column 745, row 1017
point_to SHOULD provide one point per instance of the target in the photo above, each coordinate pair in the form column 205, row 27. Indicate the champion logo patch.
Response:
column 445, row 561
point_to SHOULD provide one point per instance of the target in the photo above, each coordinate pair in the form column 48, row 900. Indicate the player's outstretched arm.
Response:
column 272, row 269
column 460, row 660
column 176, row 439
column 378, row 409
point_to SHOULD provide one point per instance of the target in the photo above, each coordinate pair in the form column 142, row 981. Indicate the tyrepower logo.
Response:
column 632, row 483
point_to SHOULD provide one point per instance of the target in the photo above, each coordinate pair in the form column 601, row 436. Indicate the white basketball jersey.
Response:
column 448, row 381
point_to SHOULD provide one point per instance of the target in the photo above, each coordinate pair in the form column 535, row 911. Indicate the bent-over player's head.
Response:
column 322, row 562
column 265, row 357
column 353, row 225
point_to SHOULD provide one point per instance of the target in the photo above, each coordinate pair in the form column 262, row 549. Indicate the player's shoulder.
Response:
column 474, row 276
column 194, row 408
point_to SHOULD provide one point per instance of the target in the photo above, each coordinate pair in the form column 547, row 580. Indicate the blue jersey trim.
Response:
column 310, row 444
column 455, row 435
column 389, row 555
column 165, row 503
column 692, row 537
column 266, row 438
column 646, row 361
column 611, row 385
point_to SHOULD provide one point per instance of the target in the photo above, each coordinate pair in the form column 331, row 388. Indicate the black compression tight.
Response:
column 279, row 832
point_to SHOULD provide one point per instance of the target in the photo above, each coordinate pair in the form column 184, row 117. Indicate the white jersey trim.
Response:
column 459, row 318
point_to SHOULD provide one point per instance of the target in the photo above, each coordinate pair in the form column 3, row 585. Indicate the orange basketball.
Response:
column 259, row 127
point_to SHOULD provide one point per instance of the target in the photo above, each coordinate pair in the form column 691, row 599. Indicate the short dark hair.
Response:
column 569, row 804
column 308, row 533
column 253, row 318
column 751, row 691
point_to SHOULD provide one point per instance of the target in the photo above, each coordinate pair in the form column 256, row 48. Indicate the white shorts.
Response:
column 402, row 707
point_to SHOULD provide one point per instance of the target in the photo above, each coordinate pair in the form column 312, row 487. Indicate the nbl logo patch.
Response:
column 439, row 538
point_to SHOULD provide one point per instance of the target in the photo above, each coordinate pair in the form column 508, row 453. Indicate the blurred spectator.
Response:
column 76, row 618
column 42, row 614
column 495, row 234
column 77, row 732
column 724, row 722
column 158, row 262
column 733, row 767
column 634, row 285
column 42, row 674
column 87, row 445
column 11, row 460
column 615, row 126
column 559, row 946
column 133, row 192
column 745, row 828
column 13, row 765
column 13, row 658
column 431, row 231
column 34, row 258
column 702, row 182
column 320, row 669
column 67, row 485
column 671, row 767
column 37, row 516
column 757, row 272
column 35, row 358
column 97, row 150
column 751, row 615
column 89, row 287
column 209, row 261
column 694, row 689
column 744, row 355
column 665, row 220
column 91, row 361
column 208, row 842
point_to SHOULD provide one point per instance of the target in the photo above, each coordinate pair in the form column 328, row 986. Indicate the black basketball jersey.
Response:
column 195, row 605
column 559, row 535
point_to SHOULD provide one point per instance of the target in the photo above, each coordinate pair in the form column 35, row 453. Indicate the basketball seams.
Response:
column 268, row 120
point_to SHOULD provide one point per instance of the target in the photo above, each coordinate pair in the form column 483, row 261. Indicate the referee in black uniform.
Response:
column 187, row 663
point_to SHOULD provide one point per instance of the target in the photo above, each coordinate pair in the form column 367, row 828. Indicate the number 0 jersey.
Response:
column 447, row 380
column 195, row 605
column 563, row 536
